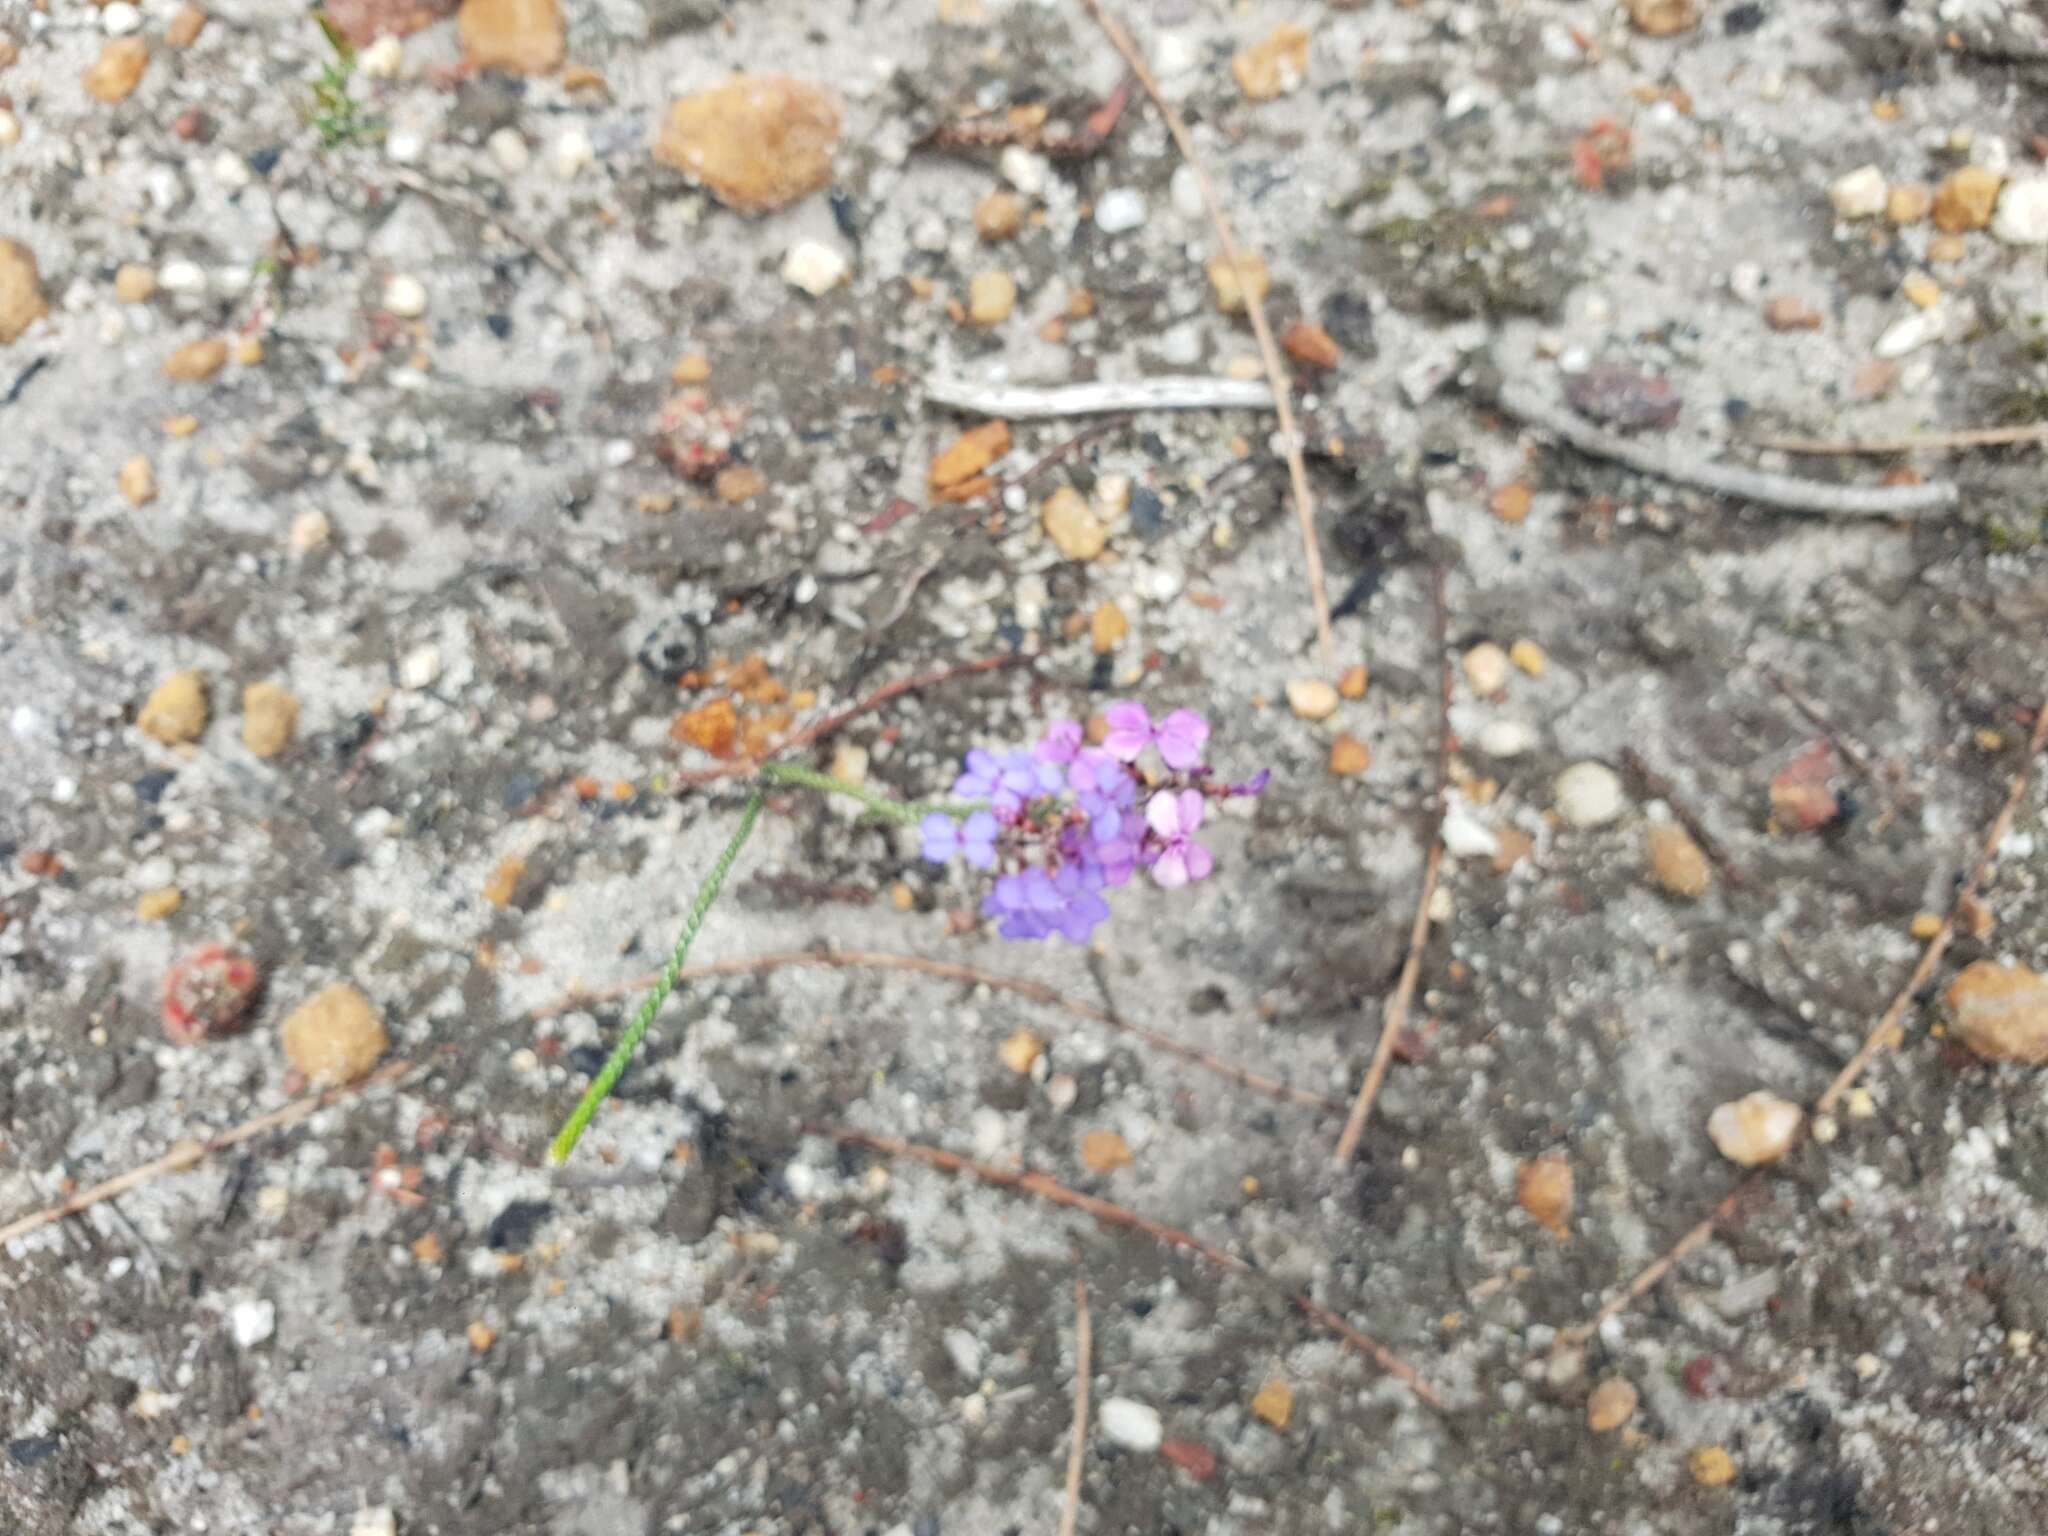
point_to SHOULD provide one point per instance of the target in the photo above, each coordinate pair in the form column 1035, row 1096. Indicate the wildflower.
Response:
column 1178, row 738
column 945, row 837
column 1174, row 815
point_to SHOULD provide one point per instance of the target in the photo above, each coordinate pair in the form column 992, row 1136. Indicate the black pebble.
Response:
column 519, row 789
column 32, row 1450
column 1148, row 512
column 512, row 1229
column 500, row 325
column 1744, row 18
column 149, row 789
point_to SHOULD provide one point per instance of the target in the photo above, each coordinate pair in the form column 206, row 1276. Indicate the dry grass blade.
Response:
column 1886, row 1033
column 189, row 1154
column 1071, row 1511
column 1269, row 351
column 1926, row 442
column 946, row 970
column 1045, row 1187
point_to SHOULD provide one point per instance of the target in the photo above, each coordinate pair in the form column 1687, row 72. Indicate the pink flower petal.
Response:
column 1170, row 870
column 1180, row 739
column 1192, row 808
column 1199, row 860
column 1162, row 814
column 1130, row 730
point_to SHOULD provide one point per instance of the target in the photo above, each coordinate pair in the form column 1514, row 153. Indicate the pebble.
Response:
column 964, row 1350
column 404, row 296
column 1186, row 192
column 1310, row 345
column 739, row 483
column 1107, row 628
column 2022, row 217
column 335, row 1036
column 1353, row 683
column 1624, row 398
column 207, row 993
column 1965, row 200
column 690, row 368
column 1274, row 1402
column 1486, row 669
column 1786, row 312
column 2001, row 1012
column 1589, row 795
column 1026, row 171
column 1861, row 194
column 1529, row 656
column 815, row 267
column 270, row 717
column 757, row 142
column 377, row 1520
column 1349, row 757
column 154, row 906
column 1908, row 203
column 1663, row 18
column 138, row 481
column 1612, row 1404
column 1711, row 1467
column 21, row 294
column 520, row 37
column 231, row 171
column 176, row 712
column 383, row 59
column 182, row 277
column 571, row 153
column 1311, row 698
column 960, row 463
column 1543, row 1188
column 120, row 18
column 1909, row 333
column 1230, row 292
column 1676, row 862
column 252, row 1322
column 1131, row 1424
column 10, row 128
column 991, row 296
column 185, row 27
column 1274, row 66
column 1465, row 835
column 113, row 76
column 310, row 531
column 998, row 217
column 1506, row 738
column 133, row 283
column 1104, row 1151
column 421, row 667
column 1076, row 532
column 197, row 361
column 1121, row 210
column 1020, row 1051
column 508, row 148
column 1757, row 1129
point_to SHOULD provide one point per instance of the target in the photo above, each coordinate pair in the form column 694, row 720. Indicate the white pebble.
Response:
column 310, row 529
column 1486, row 669
column 1120, row 211
column 1187, row 193
column 382, row 59
column 1024, row 170
column 1589, row 795
column 508, row 148
column 252, row 1322
column 815, row 267
column 1506, row 738
column 182, row 277
column 10, row 128
column 2022, row 216
column 1860, row 194
column 421, row 667
column 571, row 154
column 377, row 1520
column 1912, row 332
column 1465, row 835
column 1132, row 1424
column 231, row 171
column 964, row 1350
column 1756, row 1129
column 405, row 296
column 120, row 18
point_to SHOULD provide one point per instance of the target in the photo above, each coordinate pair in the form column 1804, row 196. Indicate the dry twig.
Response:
column 1045, row 1187
column 1432, row 866
column 1032, row 402
column 1926, row 442
column 478, row 209
column 1071, row 1512
column 189, row 1154
column 818, row 730
column 1887, row 1032
column 1255, row 306
column 946, row 970
column 1786, row 493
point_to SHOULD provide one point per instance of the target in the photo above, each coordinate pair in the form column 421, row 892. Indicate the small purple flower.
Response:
column 1179, row 739
column 1082, row 909
column 982, row 777
column 1028, row 777
column 1062, row 740
column 944, row 837
column 1173, row 816
column 1130, row 730
column 1026, row 903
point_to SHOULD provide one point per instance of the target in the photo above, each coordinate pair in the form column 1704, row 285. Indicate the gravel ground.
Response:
column 446, row 491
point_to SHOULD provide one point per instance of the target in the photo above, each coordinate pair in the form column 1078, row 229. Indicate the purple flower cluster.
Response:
column 1065, row 821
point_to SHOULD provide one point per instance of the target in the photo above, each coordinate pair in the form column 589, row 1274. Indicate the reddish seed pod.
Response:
column 207, row 993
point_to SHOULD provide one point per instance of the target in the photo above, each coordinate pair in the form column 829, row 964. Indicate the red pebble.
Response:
column 1705, row 1376
column 1192, row 1457
column 207, row 992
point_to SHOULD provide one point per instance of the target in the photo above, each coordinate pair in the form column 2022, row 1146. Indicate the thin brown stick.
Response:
column 1074, row 444
column 189, row 1154
column 1432, row 868
column 948, row 971
column 1926, row 442
column 478, row 209
column 1886, row 1033
column 1071, row 1511
column 1661, row 788
column 1255, row 306
column 1045, row 1187
column 818, row 730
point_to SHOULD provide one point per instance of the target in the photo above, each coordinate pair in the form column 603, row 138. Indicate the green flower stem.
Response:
column 601, row 1086
column 903, row 814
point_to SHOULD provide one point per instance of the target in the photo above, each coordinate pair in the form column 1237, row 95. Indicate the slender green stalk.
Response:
column 902, row 813
column 601, row 1086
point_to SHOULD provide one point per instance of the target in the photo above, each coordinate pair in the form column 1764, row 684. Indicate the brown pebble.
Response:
column 270, row 717
column 1352, row 684
column 691, row 368
column 1663, row 18
column 21, row 294
column 482, row 1336
column 757, row 141
column 1712, row 1467
column 1230, row 291
column 1349, row 757
column 1612, row 1405
column 176, row 711
column 968, row 455
column 2000, row 1012
column 1274, row 1402
column 1076, row 532
column 1676, row 862
column 1543, row 1188
column 185, row 27
column 1786, row 313
column 1908, row 202
column 154, row 906
column 134, row 283
column 1107, row 628
column 991, row 296
column 335, row 1036
column 1104, row 1152
column 138, row 481
column 1275, row 65
column 114, row 75
column 1310, row 345
column 1965, row 200
column 503, row 884
column 197, row 360
column 998, row 216
column 738, row 483
column 1511, row 502
column 520, row 37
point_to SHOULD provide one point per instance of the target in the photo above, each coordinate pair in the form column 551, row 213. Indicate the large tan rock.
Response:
column 334, row 1036
column 757, row 141
column 176, row 712
column 21, row 291
column 520, row 37
column 2001, row 1012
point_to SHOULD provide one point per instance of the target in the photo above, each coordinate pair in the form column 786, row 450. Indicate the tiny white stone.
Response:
column 422, row 665
column 378, row 1520
column 1746, row 281
column 1465, row 835
column 929, row 234
column 382, row 59
column 1868, row 1365
column 405, row 296
column 2022, row 215
column 10, row 127
column 1120, row 210
column 252, row 1322
column 814, row 266
column 1756, row 1129
column 310, row 529
column 1860, row 194
column 571, row 153
column 1506, row 738
column 508, row 148
column 1912, row 332
column 1589, row 795
column 1132, row 1424
column 1186, row 192
column 1025, row 171
column 182, row 277
column 120, row 18
column 964, row 1350
column 231, row 171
